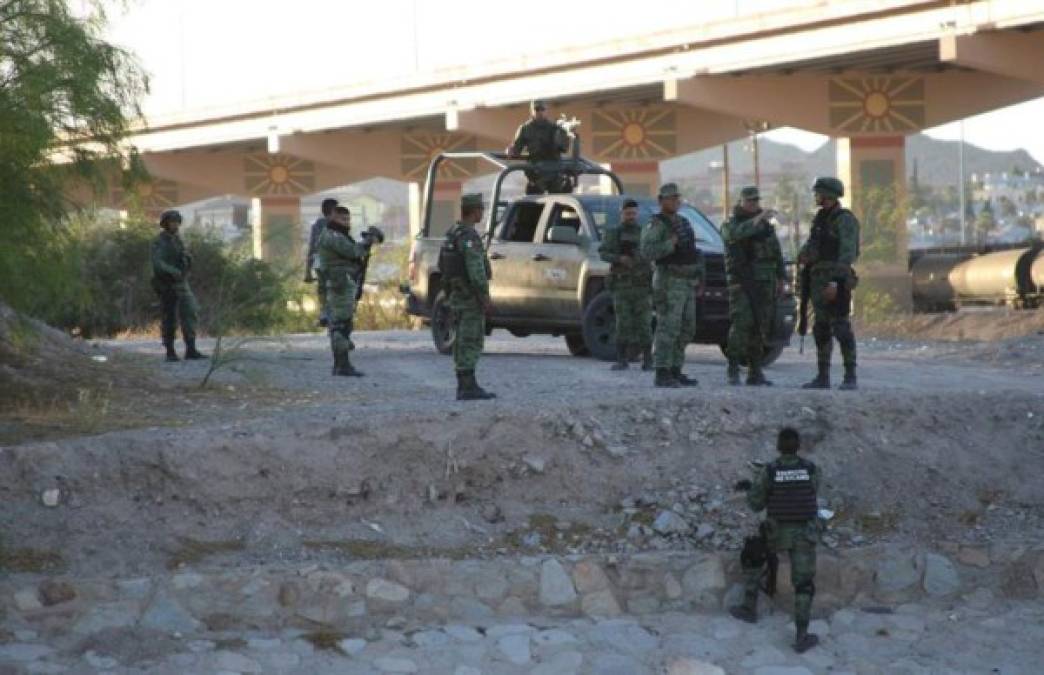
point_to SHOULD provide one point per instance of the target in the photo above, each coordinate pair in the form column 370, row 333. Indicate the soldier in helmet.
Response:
column 754, row 266
column 466, row 273
column 341, row 258
column 630, row 278
column 171, row 264
column 543, row 141
column 786, row 489
column 312, row 258
column 831, row 250
column 670, row 240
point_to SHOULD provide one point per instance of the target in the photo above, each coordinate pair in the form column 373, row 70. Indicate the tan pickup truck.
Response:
column 547, row 274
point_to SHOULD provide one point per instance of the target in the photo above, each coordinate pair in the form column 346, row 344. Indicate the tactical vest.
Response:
column 451, row 257
column 685, row 252
column 825, row 237
column 791, row 492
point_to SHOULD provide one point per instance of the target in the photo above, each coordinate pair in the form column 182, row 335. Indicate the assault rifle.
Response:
column 805, row 289
column 370, row 236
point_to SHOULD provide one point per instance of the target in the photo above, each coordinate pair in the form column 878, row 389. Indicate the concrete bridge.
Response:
column 867, row 72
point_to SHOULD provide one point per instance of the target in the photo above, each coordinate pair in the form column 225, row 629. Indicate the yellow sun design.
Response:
column 278, row 175
column 638, row 133
column 154, row 194
column 878, row 104
column 419, row 149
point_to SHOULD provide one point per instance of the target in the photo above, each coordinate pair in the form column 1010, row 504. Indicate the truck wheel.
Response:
column 599, row 327
column 577, row 346
column 768, row 358
column 442, row 331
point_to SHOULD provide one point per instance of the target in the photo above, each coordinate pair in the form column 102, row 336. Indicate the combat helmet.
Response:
column 829, row 186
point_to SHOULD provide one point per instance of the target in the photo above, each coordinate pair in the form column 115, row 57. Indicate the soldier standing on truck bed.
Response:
column 670, row 240
column 827, row 258
column 465, row 275
column 544, row 141
column 754, row 267
column 630, row 281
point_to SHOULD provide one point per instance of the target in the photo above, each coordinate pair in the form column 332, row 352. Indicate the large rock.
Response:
column 27, row 600
column 705, row 581
column 515, row 648
column 896, row 572
column 393, row 664
column 687, row 666
column 974, row 556
column 669, row 522
column 562, row 663
column 387, row 591
column 556, row 588
column 167, row 616
column 600, row 604
column 940, row 575
column 589, row 577
column 55, row 592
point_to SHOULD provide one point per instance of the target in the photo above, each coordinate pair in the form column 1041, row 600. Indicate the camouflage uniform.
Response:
column 311, row 258
column 751, row 251
column 790, row 526
column 544, row 141
column 468, row 293
column 831, row 250
column 630, row 286
column 171, row 264
column 341, row 259
column 679, row 272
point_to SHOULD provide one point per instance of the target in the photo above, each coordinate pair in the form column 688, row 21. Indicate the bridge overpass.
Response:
column 867, row 72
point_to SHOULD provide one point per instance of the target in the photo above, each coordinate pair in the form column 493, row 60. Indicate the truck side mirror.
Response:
column 563, row 234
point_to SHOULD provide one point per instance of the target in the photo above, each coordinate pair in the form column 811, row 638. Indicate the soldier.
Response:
column 629, row 281
column 341, row 259
column 754, row 265
column 466, row 274
column 171, row 264
column 787, row 489
column 828, row 255
column 312, row 258
column 670, row 240
column 544, row 141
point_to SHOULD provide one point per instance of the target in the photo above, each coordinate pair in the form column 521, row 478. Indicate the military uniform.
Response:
column 341, row 259
column 543, row 141
column 630, row 286
column 754, row 268
column 466, row 273
column 679, row 272
column 171, row 265
column 831, row 250
column 311, row 260
column 786, row 489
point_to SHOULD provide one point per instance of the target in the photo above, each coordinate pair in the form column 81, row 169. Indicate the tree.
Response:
column 881, row 212
column 67, row 98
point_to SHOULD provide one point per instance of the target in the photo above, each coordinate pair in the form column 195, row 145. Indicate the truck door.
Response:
column 510, row 256
column 561, row 264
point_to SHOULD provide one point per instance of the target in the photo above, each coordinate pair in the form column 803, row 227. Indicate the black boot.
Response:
column 647, row 361
column 733, row 373
column 468, row 388
column 172, row 354
column 191, row 353
column 343, row 366
column 805, row 640
column 683, row 379
column 744, row 613
column 621, row 356
column 821, row 380
column 849, row 383
column 756, row 378
column 665, row 378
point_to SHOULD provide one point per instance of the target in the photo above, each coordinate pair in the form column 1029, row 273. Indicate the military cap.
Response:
column 830, row 186
column 750, row 192
column 471, row 201
column 669, row 190
column 629, row 204
column 168, row 215
column 538, row 103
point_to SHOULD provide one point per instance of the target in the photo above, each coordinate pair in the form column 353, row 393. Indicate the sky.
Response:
column 205, row 54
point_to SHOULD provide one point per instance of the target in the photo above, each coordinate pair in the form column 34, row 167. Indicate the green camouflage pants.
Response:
column 745, row 342
column 799, row 541
column 469, row 323
column 675, row 304
column 832, row 322
column 320, row 279
column 340, row 308
column 633, row 308
column 178, row 305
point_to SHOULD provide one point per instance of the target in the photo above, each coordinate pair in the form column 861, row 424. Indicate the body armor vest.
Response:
column 827, row 239
column 791, row 493
column 685, row 252
column 451, row 257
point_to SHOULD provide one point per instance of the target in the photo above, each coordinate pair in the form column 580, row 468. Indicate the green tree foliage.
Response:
column 61, row 85
column 881, row 215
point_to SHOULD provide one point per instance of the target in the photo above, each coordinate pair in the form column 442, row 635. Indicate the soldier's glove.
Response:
column 743, row 485
column 374, row 232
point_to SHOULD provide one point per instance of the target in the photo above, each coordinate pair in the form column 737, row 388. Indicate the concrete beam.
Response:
column 1009, row 53
column 783, row 100
column 955, row 95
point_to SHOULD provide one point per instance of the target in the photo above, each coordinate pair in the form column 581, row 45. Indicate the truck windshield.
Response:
column 604, row 212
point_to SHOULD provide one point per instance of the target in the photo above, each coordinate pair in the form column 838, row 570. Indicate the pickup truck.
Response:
column 547, row 274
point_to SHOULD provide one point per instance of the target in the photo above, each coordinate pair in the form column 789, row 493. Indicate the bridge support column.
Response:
column 278, row 235
column 445, row 206
column 640, row 179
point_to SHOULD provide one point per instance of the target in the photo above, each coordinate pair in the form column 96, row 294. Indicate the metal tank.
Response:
column 990, row 279
column 930, row 281
column 1036, row 277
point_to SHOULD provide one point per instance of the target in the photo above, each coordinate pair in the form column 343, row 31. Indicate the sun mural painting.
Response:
column 420, row 148
column 638, row 133
column 877, row 104
column 278, row 175
column 153, row 195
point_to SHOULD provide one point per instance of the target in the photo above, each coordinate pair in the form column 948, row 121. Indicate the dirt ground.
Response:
column 278, row 461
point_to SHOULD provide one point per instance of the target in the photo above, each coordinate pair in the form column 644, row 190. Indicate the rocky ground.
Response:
column 276, row 463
